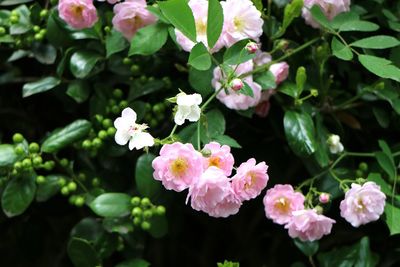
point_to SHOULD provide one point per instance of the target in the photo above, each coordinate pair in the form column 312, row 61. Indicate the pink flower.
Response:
column 362, row 204
column 178, row 166
column 130, row 16
column 199, row 9
column 221, row 157
column 324, row 198
column 280, row 72
column 261, row 58
column 280, row 201
column 213, row 194
column 262, row 108
column 242, row 20
column 331, row 8
column 231, row 98
column 250, row 179
column 308, row 225
column 79, row 14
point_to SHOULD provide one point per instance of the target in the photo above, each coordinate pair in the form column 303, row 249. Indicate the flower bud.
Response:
column 111, row 131
column 314, row 92
column 117, row 93
column 301, row 77
column 135, row 201
column 363, row 166
column 145, row 225
column 19, row 150
column 160, row 210
column 145, row 202
column 18, row 138
column 102, row 134
column 40, row 179
column 79, row 201
column 206, row 152
column 252, row 47
column 318, row 209
column 324, row 198
column 147, row 214
column 72, row 186
column 64, row 190
column 34, row 147
column 236, row 84
column 136, row 212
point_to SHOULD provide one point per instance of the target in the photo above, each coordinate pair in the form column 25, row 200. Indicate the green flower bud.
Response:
column 147, row 214
column 95, row 182
column 118, row 94
column 314, row 92
column 79, row 201
column 107, row 123
column 112, row 102
column 14, row 19
column 72, row 199
column 126, row 61
column 82, row 176
column 97, row 142
column 153, row 123
column 27, row 163
column 99, row 118
column 136, row 211
column 18, row 138
column 49, row 165
column 151, row 79
column 18, row 165
column 107, row 29
column 135, row 69
column 19, row 150
column 135, row 201
column 160, row 210
column 301, row 77
column 64, row 162
column 111, row 131
column 363, row 166
column 43, row 13
column 158, row 108
column 62, row 182
column 36, row 28
column 143, row 79
column 64, row 190
column 72, row 186
column 123, row 104
column 145, row 226
column 359, row 173
column 34, row 148
column 115, row 109
column 102, row 134
column 40, row 179
column 137, row 220
column 38, row 37
column 298, row 102
column 145, row 202
column 319, row 209
column 37, row 161
column 2, row 31
column 87, row 144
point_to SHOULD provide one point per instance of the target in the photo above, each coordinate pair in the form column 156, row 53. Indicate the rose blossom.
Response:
column 221, row 157
column 130, row 16
column 242, row 20
column 308, row 225
column 280, row 201
column 250, row 179
column 200, row 14
column 362, row 204
column 178, row 166
column 234, row 99
column 213, row 194
column 280, row 71
column 79, row 14
column 330, row 8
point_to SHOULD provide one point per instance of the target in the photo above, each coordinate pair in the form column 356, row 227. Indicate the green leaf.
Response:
column 79, row 90
column 201, row 81
column 44, row 53
column 134, row 263
column 381, row 67
column 340, row 50
column 49, row 188
column 56, row 33
column 199, row 57
column 18, row 194
column 118, row 225
column 7, row 155
column 300, row 132
column 320, row 17
column 227, row 140
column 357, row 255
column 308, row 248
column 137, row 89
column 258, row 4
column 159, row 226
column 237, row 53
column 115, row 42
column 82, row 253
column 377, row 178
column 149, row 39
column 342, row 18
column 358, row 26
column 40, row 86
column 111, row 205
column 266, row 79
column 215, row 21
column 13, row 2
column 24, row 23
column 321, row 152
column 292, row 11
column 82, row 63
column 246, row 90
column 392, row 218
column 377, row 42
column 213, row 125
column 145, row 183
column 63, row 137
column 386, row 164
column 180, row 15
column 289, row 89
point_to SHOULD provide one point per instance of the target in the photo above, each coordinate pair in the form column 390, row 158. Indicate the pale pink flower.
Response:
column 250, row 179
column 331, row 8
column 178, row 166
column 235, row 99
column 220, row 157
column 261, row 58
column 199, row 9
column 280, row 71
column 308, row 225
column 362, row 204
column 263, row 107
column 242, row 20
column 79, row 14
column 213, row 194
column 280, row 201
column 130, row 16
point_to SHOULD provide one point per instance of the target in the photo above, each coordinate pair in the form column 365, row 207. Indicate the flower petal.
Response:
column 194, row 114
column 129, row 114
column 121, row 137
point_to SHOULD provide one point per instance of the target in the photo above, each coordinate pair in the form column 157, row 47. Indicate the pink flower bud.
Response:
column 324, row 198
column 236, row 84
column 252, row 47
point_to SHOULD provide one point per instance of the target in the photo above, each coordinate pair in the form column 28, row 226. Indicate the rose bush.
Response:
column 199, row 133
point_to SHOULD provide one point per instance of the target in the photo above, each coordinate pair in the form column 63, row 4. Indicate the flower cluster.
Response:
column 179, row 167
column 242, row 21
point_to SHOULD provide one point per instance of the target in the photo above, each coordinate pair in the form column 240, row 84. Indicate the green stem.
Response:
column 205, row 104
column 198, row 136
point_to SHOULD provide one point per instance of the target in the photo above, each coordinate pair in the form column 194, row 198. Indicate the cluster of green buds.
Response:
column 116, row 104
column 155, row 114
column 29, row 156
column 362, row 170
column 143, row 210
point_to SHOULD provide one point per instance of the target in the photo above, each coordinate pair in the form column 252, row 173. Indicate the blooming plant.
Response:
column 199, row 133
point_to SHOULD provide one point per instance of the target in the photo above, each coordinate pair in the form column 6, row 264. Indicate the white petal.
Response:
column 129, row 114
column 194, row 114
column 181, row 114
column 121, row 137
column 188, row 100
column 140, row 140
column 121, row 124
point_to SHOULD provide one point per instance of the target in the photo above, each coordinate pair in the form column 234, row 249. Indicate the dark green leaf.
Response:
column 246, row 90
column 340, row 50
column 56, row 33
column 63, row 137
column 237, row 53
column 24, row 23
column 300, row 132
column 320, row 17
column 386, row 164
column 213, row 126
column 159, row 226
column 13, row 2
column 82, row 63
column 79, row 90
column 392, row 218
column 289, row 89
column 49, row 188
column 7, row 155
column 137, row 90
column 199, row 57
column 18, row 194
column 308, row 248
column 149, row 39
column 145, row 183
column 40, row 86
column 82, row 254
column 215, row 21
column 377, row 42
column 180, row 15
column 118, row 225
column 342, row 18
column 111, row 205
column 292, row 11
column 379, row 66
column 381, row 116
column 226, row 140
column 266, row 80
column 44, row 53
column 377, row 178
column 258, row 4
column 115, row 42
column 359, row 25
column 201, row 81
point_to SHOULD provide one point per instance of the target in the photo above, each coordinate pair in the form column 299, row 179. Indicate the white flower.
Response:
column 334, row 144
column 129, row 130
column 188, row 108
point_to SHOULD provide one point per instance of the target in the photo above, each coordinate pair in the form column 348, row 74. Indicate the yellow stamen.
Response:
column 239, row 23
column 253, row 179
column 179, row 166
column 283, row 205
column 214, row 161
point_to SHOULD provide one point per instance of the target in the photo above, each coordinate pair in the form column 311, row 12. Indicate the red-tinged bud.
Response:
column 236, row 84
column 252, row 47
column 324, row 198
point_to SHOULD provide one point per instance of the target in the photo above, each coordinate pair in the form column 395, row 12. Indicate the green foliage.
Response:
column 214, row 22
column 199, row 57
column 149, row 40
column 145, row 183
column 111, row 205
column 40, row 86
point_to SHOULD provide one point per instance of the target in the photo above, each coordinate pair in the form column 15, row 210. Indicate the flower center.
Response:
column 253, row 179
column 360, row 205
column 77, row 10
column 214, row 161
column 282, row 204
column 201, row 27
column 238, row 23
column 179, row 166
